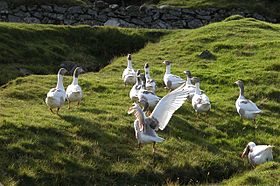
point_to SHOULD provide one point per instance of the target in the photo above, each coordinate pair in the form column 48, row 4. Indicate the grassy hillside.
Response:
column 42, row 48
column 95, row 144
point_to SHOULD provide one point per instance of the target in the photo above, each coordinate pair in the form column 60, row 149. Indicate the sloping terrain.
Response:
column 95, row 144
column 43, row 48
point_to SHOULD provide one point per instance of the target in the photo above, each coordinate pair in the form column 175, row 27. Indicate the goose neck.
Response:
column 168, row 71
column 60, row 82
column 129, row 63
column 197, row 89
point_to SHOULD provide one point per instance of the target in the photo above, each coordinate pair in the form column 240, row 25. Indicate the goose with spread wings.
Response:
column 146, row 127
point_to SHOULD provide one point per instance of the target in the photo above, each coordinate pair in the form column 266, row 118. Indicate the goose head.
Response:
column 78, row 71
column 62, row 71
column 188, row 73
column 195, row 80
column 129, row 57
column 138, row 72
column 166, row 62
column 248, row 148
column 239, row 83
column 146, row 65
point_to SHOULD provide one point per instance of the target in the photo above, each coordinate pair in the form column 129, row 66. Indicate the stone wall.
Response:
column 101, row 13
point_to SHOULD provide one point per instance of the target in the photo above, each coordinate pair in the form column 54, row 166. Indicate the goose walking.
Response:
column 146, row 127
column 150, row 83
column 257, row 154
column 133, row 94
column 245, row 107
column 200, row 101
column 129, row 76
column 146, row 98
column 56, row 96
column 171, row 81
column 74, row 91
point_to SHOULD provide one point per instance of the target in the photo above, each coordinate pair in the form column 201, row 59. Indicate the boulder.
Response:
column 75, row 10
column 206, row 54
column 195, row 23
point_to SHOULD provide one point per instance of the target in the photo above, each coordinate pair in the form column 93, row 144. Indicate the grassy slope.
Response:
column 39, row 47
column 96, row 143
column 266, row 7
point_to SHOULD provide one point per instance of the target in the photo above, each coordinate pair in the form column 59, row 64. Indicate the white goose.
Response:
column 171, row 81
column 129, row 76
column 189, row 87
column 245, row 107
column 200, row 101
column 56, row 96
column 133, row 94
column 150, row 83
column 146, row 127
column 74, row 91
column 258, row 154
column 147, row 99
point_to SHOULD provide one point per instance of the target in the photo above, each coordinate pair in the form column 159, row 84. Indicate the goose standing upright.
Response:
column 245, row 107
column 257, row 154
column 189, row 87
column 146, row 127
column 129, row 76
column 56, row 96
column 146, row 98
column 200, row 101
column 74, row 91
column 171, row 81
column 133, row 94
column 150, row 83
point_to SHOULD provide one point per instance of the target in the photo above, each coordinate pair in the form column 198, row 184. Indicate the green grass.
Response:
column 95, row 144
column 265, row 7
column 42, row 48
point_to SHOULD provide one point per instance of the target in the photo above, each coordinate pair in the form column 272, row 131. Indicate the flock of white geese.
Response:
column 152, row 112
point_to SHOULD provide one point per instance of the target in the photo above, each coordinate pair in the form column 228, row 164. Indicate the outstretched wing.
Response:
column 168, row 105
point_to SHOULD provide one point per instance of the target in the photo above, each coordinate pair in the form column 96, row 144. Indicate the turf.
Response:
column 95, row 144
column 43, row 48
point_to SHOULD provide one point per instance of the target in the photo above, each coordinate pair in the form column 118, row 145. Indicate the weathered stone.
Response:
column 195, row 23
column 101, row 4
column 168, row 17
column 206, row 54
column 3, row 5
column 137, row 22
column 22, row 14
column 187, row 11
column 133, row 10
column 117, row 22
column 147, row 19
column 102, row 18
column 161, row 24
column 59, row 9
column 175, row 12
column 208, row 18
column 85, row 17
column 32, row 20
column 45, row 20
column 38, row 15
column 69, row 21
column 60, row 17
column 203, row 12
column 92, row 12
column 179, row 24
column 258, row 16
column 114, row 6
column 12, row 18
column 47, row 8
column 24, row 71
column 75, row 10
column 32, row 8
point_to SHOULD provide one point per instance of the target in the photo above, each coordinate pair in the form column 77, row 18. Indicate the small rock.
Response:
column 206, row 54
column 12, row 18
column 101, row 4
column 32, row 20
column 195, row 23
column 75, row 10
column 47, row 8
column 59, row 9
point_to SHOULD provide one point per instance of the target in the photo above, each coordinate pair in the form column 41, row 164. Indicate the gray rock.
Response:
column 24, row 71
column 206, row 54
column 60, row 17
column 207, row 18
column 102, row 18
column 4, row 6
column 137, row 22
column 195, row 23
column 101, row 4
column 114, row 6
column 47, row 8
column 85, row 17
column 92, row 12
column 147, row 19
column 32, row 20
column 187, row 11
column 75, row 10
column 258, row 16
column 32, row 8
column 118, row 22
column 69, row 21
column 203, row 12
column 22, row 14
column 38, row 15
column 168, row 17
column 59, row 9
column 12, row 18
column 133, row 10
column 45, row 20
column 179, row 24
column 161, row 24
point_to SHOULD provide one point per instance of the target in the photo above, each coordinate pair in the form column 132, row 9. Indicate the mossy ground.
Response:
column 95, row 144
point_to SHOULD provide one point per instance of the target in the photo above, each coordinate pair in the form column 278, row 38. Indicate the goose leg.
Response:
column 57, row 111
column 154, row 149
column 78, row 103
column 255, row 125
column 139, row 145
column 51, row 110
column 68, row 104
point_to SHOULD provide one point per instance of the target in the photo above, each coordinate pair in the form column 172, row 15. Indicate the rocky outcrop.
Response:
column 102, row 13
